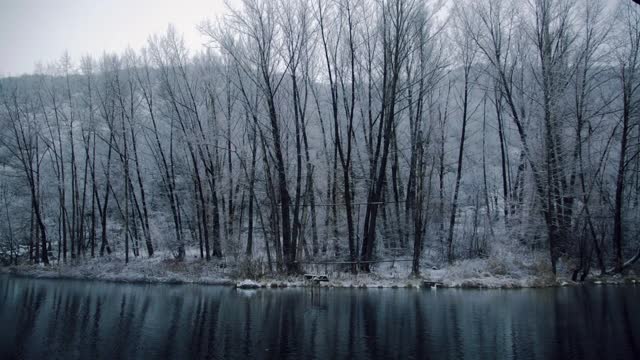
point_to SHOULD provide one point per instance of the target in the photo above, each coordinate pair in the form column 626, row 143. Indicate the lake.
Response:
column 69, row 319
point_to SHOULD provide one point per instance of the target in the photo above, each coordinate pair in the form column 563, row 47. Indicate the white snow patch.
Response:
column 248, row 284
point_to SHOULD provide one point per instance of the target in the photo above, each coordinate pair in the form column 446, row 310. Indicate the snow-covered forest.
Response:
column 348, row 131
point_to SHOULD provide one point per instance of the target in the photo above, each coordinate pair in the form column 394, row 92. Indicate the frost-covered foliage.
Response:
column 162, row 268
column 483, row 141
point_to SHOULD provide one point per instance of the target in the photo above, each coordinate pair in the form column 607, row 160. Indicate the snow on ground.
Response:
column 248, row 284
column 500, row 269
column 161, row 268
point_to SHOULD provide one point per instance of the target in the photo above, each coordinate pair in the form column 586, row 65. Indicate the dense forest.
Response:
column 338, row 130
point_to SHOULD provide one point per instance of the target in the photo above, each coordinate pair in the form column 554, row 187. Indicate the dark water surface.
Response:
column 64, row 319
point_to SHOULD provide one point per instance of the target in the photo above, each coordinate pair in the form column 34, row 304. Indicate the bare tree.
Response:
column 20, row 117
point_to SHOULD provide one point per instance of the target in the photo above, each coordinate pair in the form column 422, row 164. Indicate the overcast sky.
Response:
column 34, row 31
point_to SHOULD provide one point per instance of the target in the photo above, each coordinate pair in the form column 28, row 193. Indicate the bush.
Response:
column 249, row 269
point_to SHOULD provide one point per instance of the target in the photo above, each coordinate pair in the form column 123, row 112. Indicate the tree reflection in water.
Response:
column 82, row 319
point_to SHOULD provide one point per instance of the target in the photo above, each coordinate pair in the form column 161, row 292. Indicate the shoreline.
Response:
column 189, row 274
column 117, row 280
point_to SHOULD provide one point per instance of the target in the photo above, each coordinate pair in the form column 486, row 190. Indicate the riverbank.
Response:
column 114, row 269
column 476, row 273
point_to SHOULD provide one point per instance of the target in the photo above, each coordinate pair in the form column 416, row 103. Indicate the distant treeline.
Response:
column 347, row 130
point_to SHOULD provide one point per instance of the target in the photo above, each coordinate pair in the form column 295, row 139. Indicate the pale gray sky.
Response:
column 34, row 31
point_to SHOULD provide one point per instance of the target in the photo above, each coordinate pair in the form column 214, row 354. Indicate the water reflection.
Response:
column 76, row 319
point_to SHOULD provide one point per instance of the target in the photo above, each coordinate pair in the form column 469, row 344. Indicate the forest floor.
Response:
column 501, row 270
